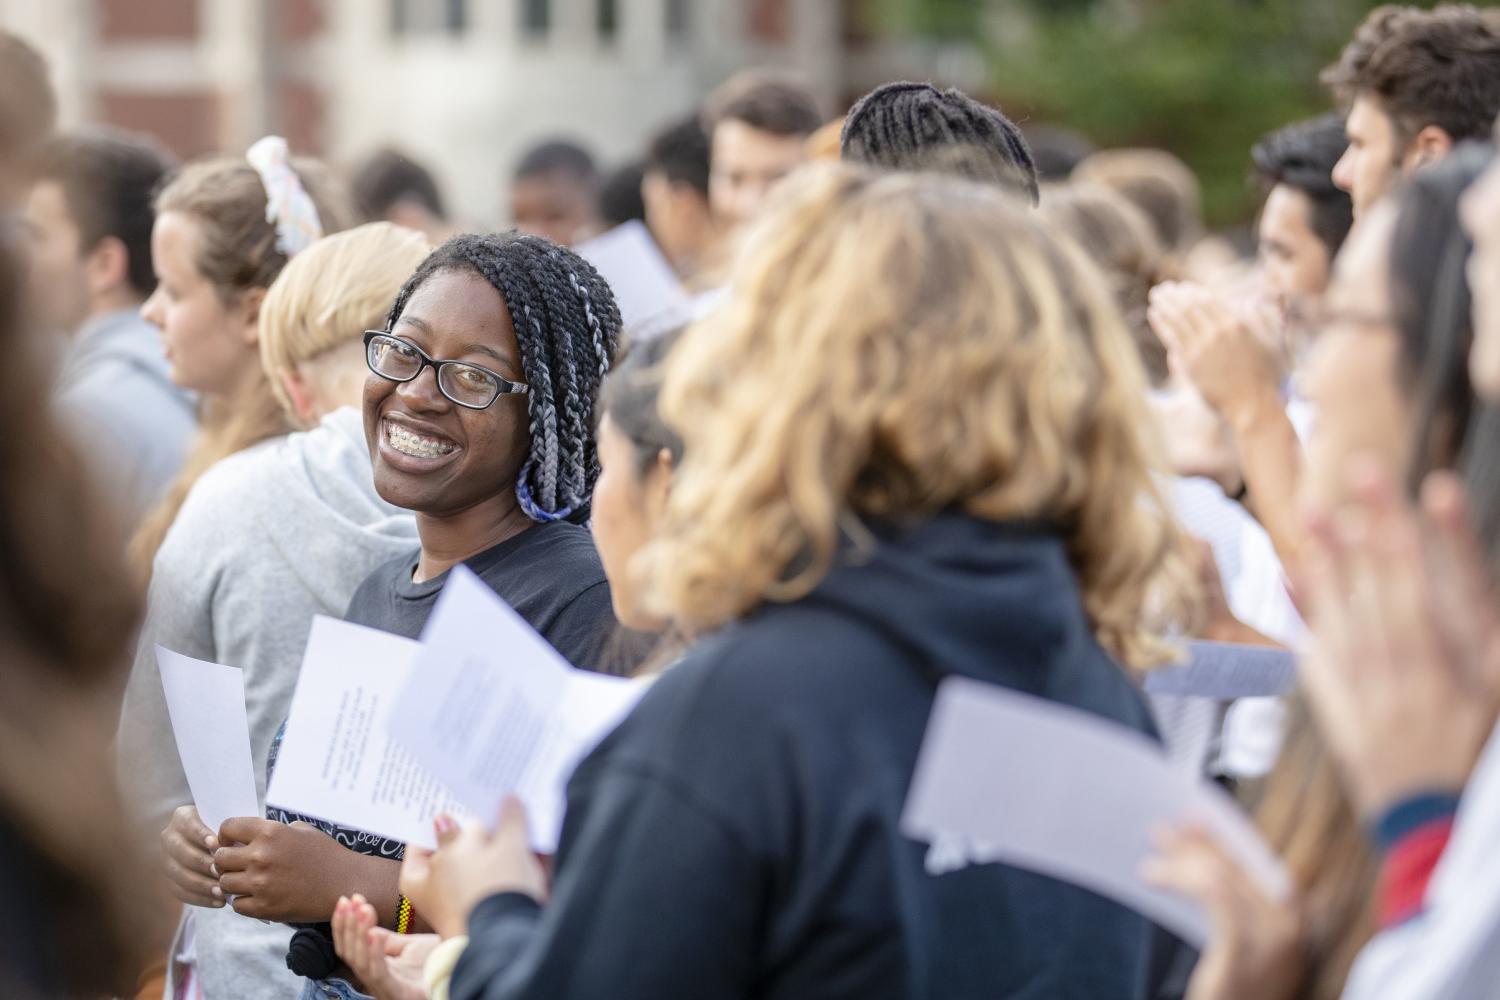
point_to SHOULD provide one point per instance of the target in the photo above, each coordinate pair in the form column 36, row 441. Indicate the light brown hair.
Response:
column 1117, row 236
column 331, row 293
column 237, row 252
column 895, row 346
column 1307, row 819
column 1159, row 184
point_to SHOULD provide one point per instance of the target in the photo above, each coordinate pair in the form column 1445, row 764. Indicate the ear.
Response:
column 107, row 266
column 249, row 313
column 1431, row 144
column 657, row 483
column 301, row 394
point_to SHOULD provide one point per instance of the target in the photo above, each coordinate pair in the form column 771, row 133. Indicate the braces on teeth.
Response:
column 408, row 443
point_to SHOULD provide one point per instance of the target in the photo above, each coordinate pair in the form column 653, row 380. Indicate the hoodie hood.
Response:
column 324, row 474
column 996, row 602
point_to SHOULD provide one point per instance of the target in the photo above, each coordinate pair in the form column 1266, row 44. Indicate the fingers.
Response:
column 249, row 906
column 1192, row 865
column 345, row 935
column 244, row 829
column 353, row 918
column 192, row 855
column 512, row 825
column 388, row 942
column 233, row 859
column 187, row 822
column 416, row 870
column 1463, row 600
column 241, row 884
column 192, row 887
column 447, row 829
column 1396, row 601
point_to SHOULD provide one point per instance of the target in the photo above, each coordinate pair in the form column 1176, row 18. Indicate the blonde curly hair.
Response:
column 894, row 346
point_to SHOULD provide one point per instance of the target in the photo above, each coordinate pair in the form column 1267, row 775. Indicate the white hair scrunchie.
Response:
column 288, row 206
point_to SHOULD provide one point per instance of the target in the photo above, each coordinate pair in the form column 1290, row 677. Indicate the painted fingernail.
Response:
column 213, row 868
column 217, row 891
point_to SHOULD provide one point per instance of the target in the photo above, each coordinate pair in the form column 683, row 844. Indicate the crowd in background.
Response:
column 940, row 399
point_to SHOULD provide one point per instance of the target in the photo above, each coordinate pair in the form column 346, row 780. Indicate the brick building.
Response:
column 464, row 85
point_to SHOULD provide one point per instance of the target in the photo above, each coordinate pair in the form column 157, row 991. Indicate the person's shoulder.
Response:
column 226, row 489
column 567, row 550
column 382, row 580
column 776, row 663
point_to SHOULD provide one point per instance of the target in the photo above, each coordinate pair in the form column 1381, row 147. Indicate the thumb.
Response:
column 512, row 825
column 445, row 828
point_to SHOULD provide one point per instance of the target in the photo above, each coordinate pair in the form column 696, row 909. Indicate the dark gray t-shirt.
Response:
column 550, row 573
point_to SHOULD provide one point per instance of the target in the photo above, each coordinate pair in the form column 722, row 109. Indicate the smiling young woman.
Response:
column 478, row 412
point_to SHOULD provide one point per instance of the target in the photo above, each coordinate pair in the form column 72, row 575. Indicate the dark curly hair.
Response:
column 567, row 326
column 1427, row 67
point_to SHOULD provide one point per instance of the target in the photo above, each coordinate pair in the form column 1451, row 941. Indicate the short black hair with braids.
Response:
column 567, row 326
column 917, row 127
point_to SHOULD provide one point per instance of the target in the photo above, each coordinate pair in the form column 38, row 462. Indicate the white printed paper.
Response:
column 492, row 710
column 1225, row 671
column 337, row 762
column 640, row 276
column 206, row 702
column 1010, row 778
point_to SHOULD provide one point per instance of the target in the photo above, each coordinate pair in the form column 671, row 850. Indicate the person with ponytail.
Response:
column 479, row 415
column 225, row 227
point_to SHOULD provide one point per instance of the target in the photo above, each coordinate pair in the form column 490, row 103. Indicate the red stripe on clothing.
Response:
column 1408, row 868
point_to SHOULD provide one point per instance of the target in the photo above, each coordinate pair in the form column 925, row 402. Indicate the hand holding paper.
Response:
column 1082, row 808
column 337, row 761
column 206, row 703
column 491, row 710
column 385, row 733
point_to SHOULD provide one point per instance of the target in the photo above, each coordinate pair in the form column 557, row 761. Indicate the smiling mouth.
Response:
column 416, row 445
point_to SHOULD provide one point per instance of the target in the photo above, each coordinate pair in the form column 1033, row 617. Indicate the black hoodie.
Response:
column 737, row 835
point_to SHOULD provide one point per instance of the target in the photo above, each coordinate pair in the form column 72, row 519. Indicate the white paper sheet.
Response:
column 206, row 702
column 337, row 761
column 492, row 710
column 1010, row 778
column 1224, row 671
column 643, row 281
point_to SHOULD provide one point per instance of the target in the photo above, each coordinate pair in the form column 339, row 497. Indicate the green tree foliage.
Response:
column 1202, row 78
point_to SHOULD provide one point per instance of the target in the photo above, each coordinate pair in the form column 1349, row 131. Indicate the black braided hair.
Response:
column 915, row 126
column 567, row 325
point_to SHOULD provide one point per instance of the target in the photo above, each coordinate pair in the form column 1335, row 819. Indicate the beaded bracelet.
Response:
column 403, row 916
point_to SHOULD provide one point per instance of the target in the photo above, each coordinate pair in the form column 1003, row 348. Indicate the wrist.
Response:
column 1251, row 407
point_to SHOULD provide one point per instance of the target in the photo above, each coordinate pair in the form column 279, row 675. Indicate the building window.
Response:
column 457, row 16
column 678, row 24
column 607, row 19
column 536, row 17
column 427, row 17
column 768, row 20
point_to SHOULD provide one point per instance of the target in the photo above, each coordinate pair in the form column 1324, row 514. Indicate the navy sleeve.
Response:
column 655, row 897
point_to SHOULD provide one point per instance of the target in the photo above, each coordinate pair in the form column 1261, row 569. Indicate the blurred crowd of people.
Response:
column 943, row 399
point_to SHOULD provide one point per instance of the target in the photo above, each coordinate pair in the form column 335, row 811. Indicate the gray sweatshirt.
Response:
column 114, row 394
column 267, row 539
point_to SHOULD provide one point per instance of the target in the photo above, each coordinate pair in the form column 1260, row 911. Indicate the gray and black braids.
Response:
column 567, row 325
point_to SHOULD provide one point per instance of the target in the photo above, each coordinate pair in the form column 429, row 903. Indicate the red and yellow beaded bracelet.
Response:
column 403, row 916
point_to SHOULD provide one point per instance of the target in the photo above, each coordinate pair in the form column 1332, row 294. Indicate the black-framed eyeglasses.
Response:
column 465, row 384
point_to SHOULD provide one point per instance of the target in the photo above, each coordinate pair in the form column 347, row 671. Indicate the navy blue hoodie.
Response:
column 737, row 835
